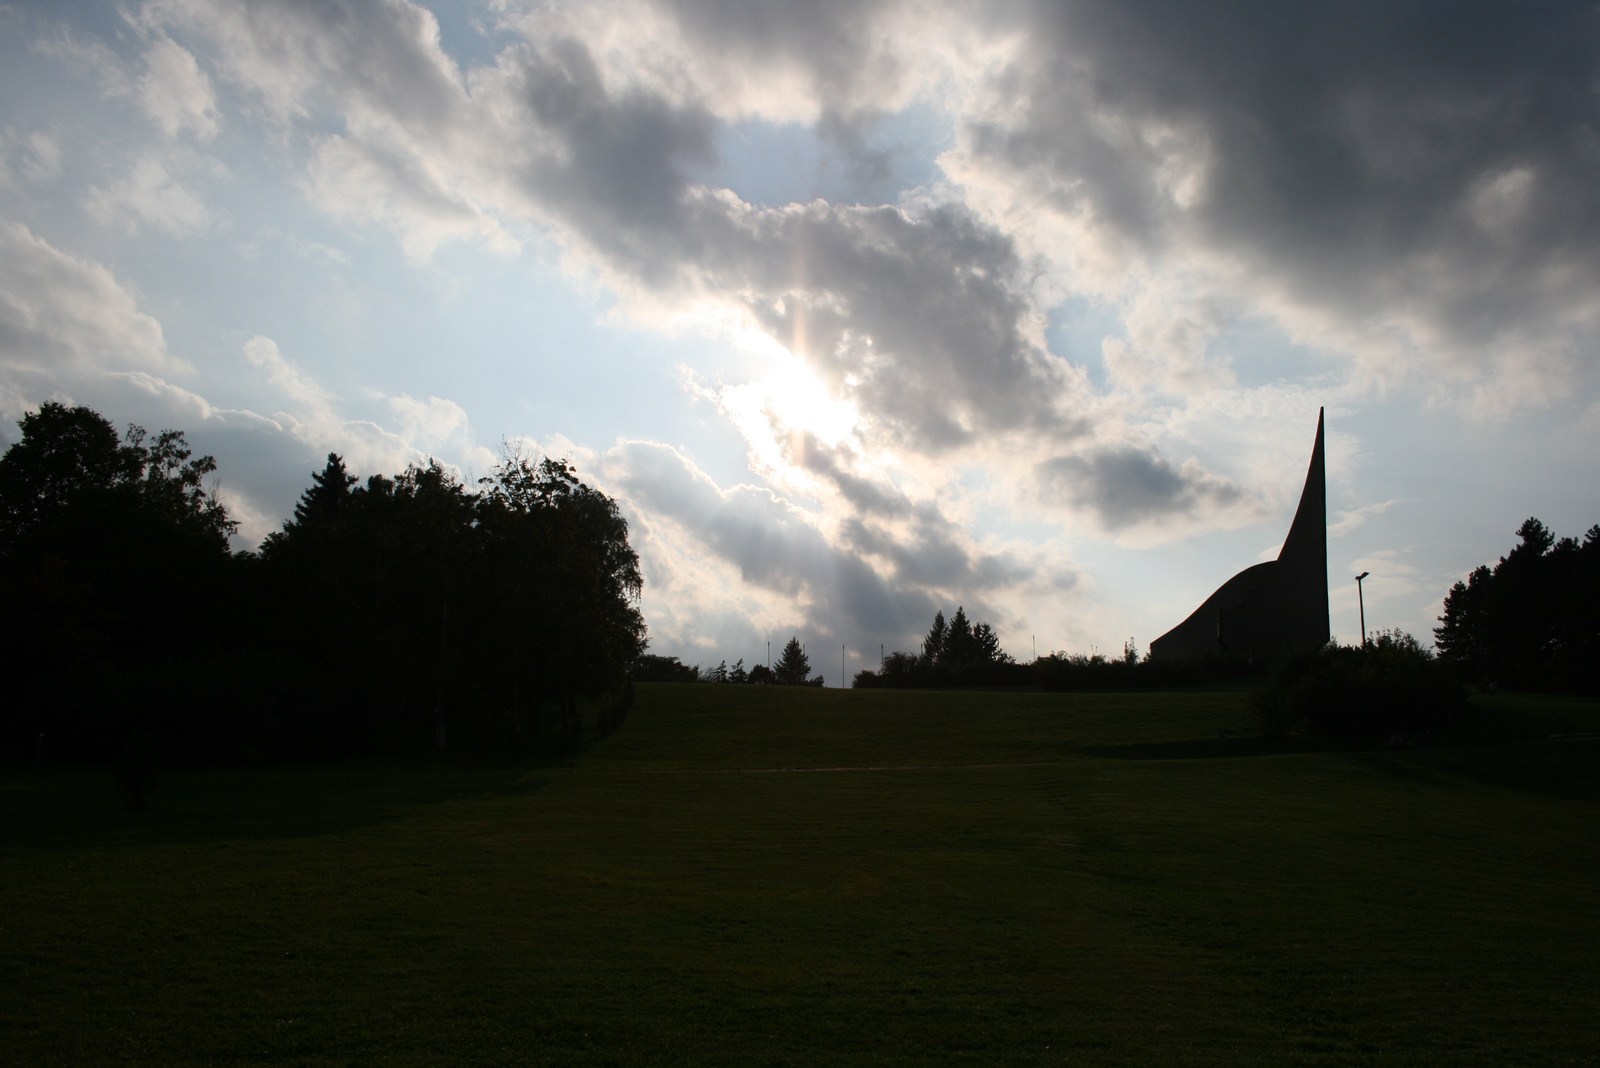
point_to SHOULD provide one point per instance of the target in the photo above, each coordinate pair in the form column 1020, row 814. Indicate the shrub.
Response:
column 1391, row 686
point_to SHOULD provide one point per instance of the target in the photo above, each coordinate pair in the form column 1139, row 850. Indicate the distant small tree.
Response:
column 737, row 673
column 760, row 675
column 793, row 669
column 718, row 673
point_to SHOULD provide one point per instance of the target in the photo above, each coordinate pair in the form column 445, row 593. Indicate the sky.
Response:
column 860, row 310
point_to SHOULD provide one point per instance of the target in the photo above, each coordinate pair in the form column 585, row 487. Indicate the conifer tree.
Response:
column 325, row 498
column 792, row 669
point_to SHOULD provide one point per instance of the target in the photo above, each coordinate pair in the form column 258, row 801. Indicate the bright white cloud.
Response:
column 59, row 312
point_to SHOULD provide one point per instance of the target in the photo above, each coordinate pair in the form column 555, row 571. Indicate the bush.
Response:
column 1079, row 673
column 651, row 668
column 1392, row 686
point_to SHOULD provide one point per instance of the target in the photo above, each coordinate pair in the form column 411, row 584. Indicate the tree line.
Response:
column 792, row 669
column 403, row 611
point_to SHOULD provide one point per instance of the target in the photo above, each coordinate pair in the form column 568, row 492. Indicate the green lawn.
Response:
column 760, row 876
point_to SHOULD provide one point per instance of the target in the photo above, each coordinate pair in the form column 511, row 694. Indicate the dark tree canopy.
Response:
column 956, row 652
column 381, row 614
column 1533, row 619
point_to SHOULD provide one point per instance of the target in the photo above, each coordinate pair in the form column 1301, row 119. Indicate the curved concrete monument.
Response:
column 1266, row 609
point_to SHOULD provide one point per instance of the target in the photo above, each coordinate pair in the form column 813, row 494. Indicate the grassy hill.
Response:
column 763, row 876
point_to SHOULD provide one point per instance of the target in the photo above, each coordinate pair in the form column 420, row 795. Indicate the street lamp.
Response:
column 1362, row 601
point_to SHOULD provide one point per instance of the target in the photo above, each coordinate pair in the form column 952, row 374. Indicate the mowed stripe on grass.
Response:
column 1003, row 880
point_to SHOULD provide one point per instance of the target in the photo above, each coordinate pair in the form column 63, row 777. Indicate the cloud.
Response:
column 920, row 313
column 58, row 312
column 87, row 56
column 1419, row 206
column 774, row 545
column 150, row 195
column 1356, row 517
column 1126, row 486
column 706, row 548
column 1408, row 191
column 175, row 93
column 39, row 156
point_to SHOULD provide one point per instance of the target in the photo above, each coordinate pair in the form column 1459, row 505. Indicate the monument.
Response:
column 1271, row 607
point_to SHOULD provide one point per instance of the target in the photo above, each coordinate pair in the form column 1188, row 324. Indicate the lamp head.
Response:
column 1363, row 575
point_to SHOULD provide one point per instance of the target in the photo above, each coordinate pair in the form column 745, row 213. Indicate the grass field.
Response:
column 747, row 875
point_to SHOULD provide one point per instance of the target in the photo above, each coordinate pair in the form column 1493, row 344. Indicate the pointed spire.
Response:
column 1308, row 535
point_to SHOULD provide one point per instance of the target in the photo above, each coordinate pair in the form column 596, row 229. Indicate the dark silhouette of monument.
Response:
column 1266, row 609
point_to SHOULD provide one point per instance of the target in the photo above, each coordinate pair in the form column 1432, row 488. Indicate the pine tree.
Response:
column 933, row 644
column 792, row 669
column 325, row 498
column 958, row 644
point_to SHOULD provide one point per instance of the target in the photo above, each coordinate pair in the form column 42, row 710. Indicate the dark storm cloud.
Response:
column 1126, row 486
column 610, row 165
column 1431, row 160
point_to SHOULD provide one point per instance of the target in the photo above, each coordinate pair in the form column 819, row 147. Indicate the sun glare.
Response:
column 790, row 392
column 803, row 403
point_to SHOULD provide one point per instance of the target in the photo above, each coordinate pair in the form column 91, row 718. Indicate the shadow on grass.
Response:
column 1527, row 744
column 1560, row 770
column 78, row 807
column 1491, row 723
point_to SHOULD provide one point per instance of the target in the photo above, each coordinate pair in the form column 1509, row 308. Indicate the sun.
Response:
column 790, row 396
column 801, row 402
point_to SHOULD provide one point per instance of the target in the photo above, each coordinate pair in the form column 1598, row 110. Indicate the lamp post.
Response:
column 1362, row 601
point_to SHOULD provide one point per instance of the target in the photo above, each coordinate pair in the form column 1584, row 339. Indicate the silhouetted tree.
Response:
column 379, row 611
column 792, row 668
column 1533, row 619
column 325, row 498
column 114, row 562
column 651, row 668
column 958, row 647
column 1390, row 686
column 954, row 653
column 933, row 643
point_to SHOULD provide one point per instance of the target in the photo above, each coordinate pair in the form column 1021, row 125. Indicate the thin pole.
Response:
column 1362, row 601
column 841, row 667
